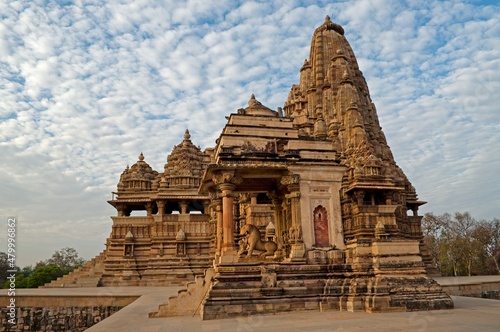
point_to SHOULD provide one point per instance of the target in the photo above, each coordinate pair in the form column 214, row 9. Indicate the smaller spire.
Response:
column 141, row 157
column 327, row 18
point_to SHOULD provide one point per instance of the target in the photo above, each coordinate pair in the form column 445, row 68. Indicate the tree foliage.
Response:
column 66, row 258
column 460, row 245
column 62, row 262
column 4, row 267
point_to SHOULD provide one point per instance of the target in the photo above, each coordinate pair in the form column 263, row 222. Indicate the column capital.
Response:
column 292, row 182
column 226, row 177
column 227, row 188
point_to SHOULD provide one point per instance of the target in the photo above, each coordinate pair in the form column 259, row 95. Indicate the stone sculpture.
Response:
column 254, row 241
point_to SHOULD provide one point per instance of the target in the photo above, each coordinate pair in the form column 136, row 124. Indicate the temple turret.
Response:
column 139, row 177
column 184, row 166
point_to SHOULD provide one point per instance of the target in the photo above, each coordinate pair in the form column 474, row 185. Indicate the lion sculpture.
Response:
column 254, row 242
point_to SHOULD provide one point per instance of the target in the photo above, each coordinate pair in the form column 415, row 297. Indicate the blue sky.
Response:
column 85, row 86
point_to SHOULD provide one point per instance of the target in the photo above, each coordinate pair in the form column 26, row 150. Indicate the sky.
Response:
column 86, row 86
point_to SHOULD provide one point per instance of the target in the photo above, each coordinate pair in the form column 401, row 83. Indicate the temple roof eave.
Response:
column 416, row 203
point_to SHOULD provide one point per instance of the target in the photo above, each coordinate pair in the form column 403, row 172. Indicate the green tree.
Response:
column 461, row 245
column 66, row 258
column 62, row 262
column 43, row 275
column 21, row 282
column 4, row 266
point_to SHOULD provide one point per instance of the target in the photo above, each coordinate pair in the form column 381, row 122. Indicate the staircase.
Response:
column 188, row 301
column 88, row 275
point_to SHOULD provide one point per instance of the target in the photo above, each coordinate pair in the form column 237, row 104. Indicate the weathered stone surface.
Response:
column 320, row 171
column 43, row 319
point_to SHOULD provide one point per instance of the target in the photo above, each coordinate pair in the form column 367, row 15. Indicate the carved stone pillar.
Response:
column 236, row 216
column 280, row 230
column 295, row 232
column 292, row 183
column 120, row 208
column 359, row 195
column 184, row 204
column 149, row 209
column 218, row 210
column 206, row 207
column 226, row 183
column 227, row 216
column 278, row 219
column 161, row 207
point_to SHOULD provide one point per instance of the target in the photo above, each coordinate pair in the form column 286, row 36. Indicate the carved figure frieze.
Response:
column 295, row 234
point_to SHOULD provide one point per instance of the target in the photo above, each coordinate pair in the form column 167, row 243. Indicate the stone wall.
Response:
column 488, row 290
column 42, row 319
column 493, row 295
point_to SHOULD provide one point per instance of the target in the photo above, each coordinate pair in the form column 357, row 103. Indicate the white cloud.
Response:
column 84, row 88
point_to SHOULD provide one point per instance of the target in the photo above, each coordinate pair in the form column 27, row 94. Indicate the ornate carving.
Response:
column 227, row 177
column 269, row 278
column 185, row 165
column 290, row 180
column 243, row 246
column 138, row 177
column 254, row 241
column 295, row 234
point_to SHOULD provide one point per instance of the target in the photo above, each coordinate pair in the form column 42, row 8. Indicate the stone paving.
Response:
column 469, row 314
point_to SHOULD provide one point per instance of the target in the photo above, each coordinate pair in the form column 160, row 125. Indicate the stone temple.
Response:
column 302, row 208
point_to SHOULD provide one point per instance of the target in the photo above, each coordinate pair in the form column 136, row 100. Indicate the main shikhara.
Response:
column 302, row 208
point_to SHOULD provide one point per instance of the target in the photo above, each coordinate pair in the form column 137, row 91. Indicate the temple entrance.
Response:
column 321, row 227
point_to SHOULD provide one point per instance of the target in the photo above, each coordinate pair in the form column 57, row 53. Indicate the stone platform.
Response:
column 244, row 288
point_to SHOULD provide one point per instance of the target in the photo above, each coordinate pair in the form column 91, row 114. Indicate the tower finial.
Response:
column 141, row 157
column 187, row 136
column 253, row 101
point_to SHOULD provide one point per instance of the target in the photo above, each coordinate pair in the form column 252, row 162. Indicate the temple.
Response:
column 299, row 208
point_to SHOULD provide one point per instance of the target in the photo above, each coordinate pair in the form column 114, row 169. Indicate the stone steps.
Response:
column 189, row 300
column 88, row 275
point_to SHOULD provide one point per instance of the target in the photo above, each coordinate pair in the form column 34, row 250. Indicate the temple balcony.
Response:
column 190, row 228
column 365, row 209
column 167, row 229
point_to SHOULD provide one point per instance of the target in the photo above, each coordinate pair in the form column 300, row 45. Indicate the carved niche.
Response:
column 320, row 217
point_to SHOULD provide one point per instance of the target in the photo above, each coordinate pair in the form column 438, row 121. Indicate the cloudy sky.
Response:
column 85, row 86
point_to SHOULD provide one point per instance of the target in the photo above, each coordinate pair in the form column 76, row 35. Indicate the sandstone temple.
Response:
column 299, row 208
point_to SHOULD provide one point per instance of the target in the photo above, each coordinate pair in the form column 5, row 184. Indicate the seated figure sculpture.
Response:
column 254, row 242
